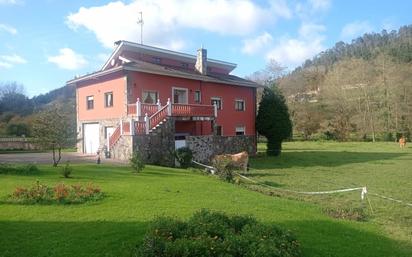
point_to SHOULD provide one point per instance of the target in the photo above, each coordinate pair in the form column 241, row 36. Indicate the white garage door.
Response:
column 91, row 138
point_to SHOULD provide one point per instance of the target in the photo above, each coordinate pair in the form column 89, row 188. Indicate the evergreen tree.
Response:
column 273, row 120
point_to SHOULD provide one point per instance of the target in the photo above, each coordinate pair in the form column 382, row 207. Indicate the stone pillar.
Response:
column 121, row 127
column 131, row 122
column 215, row 109
column 159, row 105
column 146, row 119
column 169, row 107
column 138, row 108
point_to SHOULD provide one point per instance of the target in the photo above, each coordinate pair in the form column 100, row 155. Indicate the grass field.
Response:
column 383, row 168
column 114, row 225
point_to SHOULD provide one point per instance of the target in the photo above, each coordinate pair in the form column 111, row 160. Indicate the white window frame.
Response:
column 200, row 96
column 105, row 99
column 218, row 98
column 151, row 91
column 244, row 105
column 87, row 102
column 240, row 126
column 183, row 89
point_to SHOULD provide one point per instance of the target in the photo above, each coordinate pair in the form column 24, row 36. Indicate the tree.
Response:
column 273, row 120
column 54, row 128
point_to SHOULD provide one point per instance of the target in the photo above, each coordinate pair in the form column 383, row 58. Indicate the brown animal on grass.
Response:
column 402, row 142
column 238, row 160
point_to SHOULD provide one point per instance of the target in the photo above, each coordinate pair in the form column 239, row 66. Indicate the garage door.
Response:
column 91, row 138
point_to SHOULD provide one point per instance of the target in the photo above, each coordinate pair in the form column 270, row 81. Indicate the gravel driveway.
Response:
column 46, row 158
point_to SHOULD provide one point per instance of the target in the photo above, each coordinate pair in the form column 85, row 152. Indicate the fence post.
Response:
column 138, row 108
column 146, row 119
column 215, row 109
column 121, row 127
column 159, row 105
column 169, row 107
column 132, row 127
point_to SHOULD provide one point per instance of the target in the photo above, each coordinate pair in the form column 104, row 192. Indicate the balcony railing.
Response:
column 187, row 110
column 178, row 110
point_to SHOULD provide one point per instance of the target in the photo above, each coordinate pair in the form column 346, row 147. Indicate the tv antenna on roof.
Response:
column 140, row 21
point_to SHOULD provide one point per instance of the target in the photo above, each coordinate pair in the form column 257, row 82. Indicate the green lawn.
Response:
column 317, row 166
column 114, row 225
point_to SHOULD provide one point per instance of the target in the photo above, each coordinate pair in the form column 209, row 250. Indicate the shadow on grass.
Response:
column 318, row 158
column 329, row 238
column 318, row 238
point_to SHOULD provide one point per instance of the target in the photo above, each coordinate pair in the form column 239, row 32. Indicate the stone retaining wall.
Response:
column 157, row 147
column 205, row 147
column 17, row 144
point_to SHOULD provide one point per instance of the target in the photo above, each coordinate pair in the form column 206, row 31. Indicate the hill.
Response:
column 357, row 90
column 17, row 110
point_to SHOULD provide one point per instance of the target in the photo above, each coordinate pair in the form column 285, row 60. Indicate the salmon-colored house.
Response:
column 145, row 98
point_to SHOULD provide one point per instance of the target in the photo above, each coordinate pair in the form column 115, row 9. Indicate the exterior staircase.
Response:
column 155, row 116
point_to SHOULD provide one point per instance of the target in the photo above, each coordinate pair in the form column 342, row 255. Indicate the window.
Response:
column 240, row 130
column 218, row 130
column 108, row 99
column 198, row 96
column 150, row 97
column 90, row 102
column 157, row 60
column 239, row 105
column 180, row 95
column 218, row 102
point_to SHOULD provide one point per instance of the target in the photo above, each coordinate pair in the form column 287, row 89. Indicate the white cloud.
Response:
column 8, row 29
column 294, row 51
column 163, row 20
column 9, row 2
column 5, row 65
column 68, row 59
column 8, row 61
column 355, row 29
column 320, row 4
column 15, row 59
column 255, row 45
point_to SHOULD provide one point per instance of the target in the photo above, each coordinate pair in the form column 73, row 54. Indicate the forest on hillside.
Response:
column 17, row 110
column 354, row 91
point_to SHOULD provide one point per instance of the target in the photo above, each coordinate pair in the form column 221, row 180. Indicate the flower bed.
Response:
column 60, row 193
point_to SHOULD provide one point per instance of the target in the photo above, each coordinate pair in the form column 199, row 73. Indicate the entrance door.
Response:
column 109, row 133
column 91, row 138
column 180, row 96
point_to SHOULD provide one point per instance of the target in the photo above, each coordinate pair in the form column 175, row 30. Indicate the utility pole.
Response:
column 140, row 21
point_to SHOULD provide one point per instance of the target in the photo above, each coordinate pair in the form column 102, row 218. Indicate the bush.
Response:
column 357, row 214
column 184, row 156
column 66, row 170
column 136, row 162
column 28, row 169
column 60, row 193
column 215, row 234
column 224, row 168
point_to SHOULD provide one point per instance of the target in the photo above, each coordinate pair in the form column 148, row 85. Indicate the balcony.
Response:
column 191, row 111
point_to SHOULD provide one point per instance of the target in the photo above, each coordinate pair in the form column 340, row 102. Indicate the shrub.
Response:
column 357, row 214
column 60, row 193
column 18, row 169
column 66, row 170
column 215, row 234
column 184, row 156
column 224, row 168
column 136, row 162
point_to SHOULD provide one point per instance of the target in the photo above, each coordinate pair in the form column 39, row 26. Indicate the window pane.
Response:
column 108, row 99
column 149, row 97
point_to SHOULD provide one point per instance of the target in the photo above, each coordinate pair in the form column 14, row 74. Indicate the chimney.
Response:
column 201, row 61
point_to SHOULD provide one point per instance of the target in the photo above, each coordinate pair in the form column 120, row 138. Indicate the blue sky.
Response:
column 44, row 43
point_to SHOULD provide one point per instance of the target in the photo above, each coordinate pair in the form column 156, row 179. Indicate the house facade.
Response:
column 155, row 100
